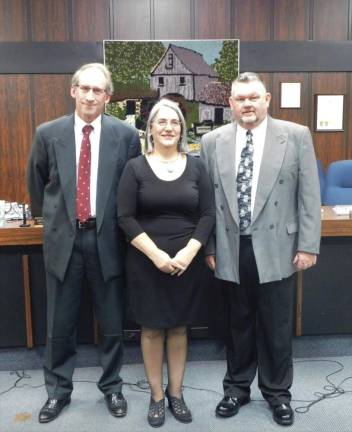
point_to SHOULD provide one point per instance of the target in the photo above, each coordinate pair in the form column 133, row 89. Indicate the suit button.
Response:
column 276, row 203
column 216, row 185
column 222, row 207
column 281, row 181
column 227, row 229
column 271, row 226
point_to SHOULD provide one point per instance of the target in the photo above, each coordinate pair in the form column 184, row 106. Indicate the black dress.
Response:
column 171, row 213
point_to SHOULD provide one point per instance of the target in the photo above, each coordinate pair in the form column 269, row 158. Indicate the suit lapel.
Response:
column 225, row 155
column 273, row 155
column 108, row 158
column 65, row 151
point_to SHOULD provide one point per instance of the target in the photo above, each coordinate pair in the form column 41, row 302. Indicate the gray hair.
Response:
column 182, row 145
column 105, row 71
column 246, row 77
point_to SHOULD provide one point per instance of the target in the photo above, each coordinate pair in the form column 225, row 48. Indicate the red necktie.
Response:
column 83, row 180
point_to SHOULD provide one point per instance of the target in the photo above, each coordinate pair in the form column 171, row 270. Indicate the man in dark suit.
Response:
column 267, row 227
column 73, row 173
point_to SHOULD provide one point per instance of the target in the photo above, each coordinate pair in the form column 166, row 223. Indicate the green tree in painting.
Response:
column 130, row 63
column 227, row 63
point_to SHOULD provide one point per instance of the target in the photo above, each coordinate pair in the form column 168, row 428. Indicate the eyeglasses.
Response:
column 86, row 89
column 162, row 123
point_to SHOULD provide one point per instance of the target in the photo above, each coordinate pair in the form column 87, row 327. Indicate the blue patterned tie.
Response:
column 244, row 183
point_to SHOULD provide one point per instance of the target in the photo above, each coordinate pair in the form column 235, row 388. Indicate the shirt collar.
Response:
column 260, row 129
column 79, row 123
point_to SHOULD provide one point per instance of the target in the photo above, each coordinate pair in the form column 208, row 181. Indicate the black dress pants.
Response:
column 260, row 332
column 63, row 303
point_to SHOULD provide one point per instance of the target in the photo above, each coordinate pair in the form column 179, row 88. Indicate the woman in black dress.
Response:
column 166, row 209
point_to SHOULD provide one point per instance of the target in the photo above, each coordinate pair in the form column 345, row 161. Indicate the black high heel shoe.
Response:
column 178, row 407
column 156, row 412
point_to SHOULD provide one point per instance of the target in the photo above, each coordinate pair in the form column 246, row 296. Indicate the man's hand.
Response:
column 304, row 260
column 210, row 260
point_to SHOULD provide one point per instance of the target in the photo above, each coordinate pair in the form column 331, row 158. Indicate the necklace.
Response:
column 170, row 164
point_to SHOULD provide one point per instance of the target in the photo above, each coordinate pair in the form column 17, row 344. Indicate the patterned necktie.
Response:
column 83, row 181
column 244, row 183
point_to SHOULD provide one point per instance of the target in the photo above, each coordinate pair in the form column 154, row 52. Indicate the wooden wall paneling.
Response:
column 329, row 146
column 291, row 20
column 51, row 97
column 213, row 19
column 15, row 128
column 13, row 20
column 131, row 20
column 252, row 20
column 91, row 20
column 50, row 20
column 172, row 20
column 330, row 19
column 298, row 115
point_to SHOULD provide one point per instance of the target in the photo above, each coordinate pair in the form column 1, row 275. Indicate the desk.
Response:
column 323, row 303
column 324, row 295
column 11, row 234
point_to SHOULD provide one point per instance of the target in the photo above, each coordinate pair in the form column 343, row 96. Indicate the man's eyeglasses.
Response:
column 86, row 89
column 173, row 123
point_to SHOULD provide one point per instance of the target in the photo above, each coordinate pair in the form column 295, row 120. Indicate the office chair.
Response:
column 338, row 185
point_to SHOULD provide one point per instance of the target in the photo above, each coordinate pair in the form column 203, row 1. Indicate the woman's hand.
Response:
column 184, row 257
column 163, row 261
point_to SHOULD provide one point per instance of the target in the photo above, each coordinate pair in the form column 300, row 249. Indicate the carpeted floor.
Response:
column 87, row 412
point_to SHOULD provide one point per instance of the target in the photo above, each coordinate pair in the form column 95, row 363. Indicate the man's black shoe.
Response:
column 229, row 406
column 52, row 408
column 283, row 414
column 117, row 404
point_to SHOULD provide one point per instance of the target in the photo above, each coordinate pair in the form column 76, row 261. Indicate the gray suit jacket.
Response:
column 286, row 216
column 51, row 179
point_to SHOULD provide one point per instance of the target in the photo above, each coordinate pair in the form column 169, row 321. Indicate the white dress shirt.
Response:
column 94, row 144
column 258, row 134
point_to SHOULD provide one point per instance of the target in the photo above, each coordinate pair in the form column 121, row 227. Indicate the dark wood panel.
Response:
column 212, row 19
column 172, row 20
column 13, row 20
column 49, row 20
column 91, row 20
column 51, row 97
column 252, row 19
column 47, row 57
column 131, row 19
column 15, row 129
column 300, row 56
column 291, row 19
column 329, row 146
column 330, row 19
column 298, row 115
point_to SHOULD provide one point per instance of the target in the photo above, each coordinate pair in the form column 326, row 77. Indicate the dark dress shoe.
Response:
column 117, row 404
column 283, row 414
column 156, row 412
column 178, row 407
column 229, row 406
column 52, row 408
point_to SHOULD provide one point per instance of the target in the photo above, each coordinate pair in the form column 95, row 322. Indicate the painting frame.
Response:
column 196, row 73
column 329, row 112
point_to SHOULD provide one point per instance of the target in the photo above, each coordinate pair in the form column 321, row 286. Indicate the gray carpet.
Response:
column 87, row 413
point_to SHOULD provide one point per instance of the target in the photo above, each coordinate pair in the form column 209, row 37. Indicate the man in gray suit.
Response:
column 267, row 227
column 73, row 172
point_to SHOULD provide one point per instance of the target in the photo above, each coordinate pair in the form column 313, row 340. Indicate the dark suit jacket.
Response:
column 51, row 178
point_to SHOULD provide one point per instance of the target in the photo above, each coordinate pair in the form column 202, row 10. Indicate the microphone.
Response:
column 24, row 223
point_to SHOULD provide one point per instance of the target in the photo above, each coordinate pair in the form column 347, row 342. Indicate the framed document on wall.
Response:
column 290, row 95
column 329, row 112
